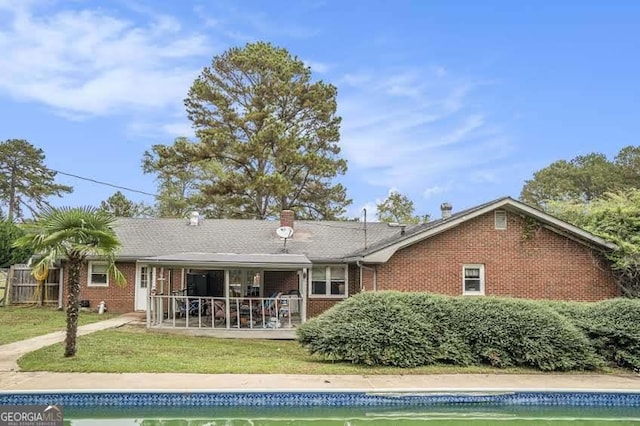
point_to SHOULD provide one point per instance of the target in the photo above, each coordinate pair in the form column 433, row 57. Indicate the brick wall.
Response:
column 118, row 299
column 542, row 265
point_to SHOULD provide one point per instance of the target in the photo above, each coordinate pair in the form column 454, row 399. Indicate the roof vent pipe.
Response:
column 194, row 219
column 446, row 208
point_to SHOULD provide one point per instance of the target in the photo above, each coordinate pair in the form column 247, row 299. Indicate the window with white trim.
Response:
column 473, row 279
column 501, row 219
column 98, row 275
column 329, row 281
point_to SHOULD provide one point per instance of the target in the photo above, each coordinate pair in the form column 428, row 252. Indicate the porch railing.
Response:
column 265, row 313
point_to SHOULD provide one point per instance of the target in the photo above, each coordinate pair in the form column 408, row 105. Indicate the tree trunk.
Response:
column 72, row 306
column 12, row 194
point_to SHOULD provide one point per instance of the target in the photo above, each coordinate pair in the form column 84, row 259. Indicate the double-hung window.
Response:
column 98, row 275
column 473, row 280
column 329, row 281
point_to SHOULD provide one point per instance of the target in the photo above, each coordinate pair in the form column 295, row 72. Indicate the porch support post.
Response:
column 303, row 285
column 227, row 308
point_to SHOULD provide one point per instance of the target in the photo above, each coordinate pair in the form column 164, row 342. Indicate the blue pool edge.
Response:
column 321, row 398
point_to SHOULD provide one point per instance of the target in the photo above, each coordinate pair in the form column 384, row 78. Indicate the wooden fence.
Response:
column 23, row 288
column 4, row 281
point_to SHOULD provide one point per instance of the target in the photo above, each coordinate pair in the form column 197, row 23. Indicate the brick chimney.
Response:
column 286, row 218
column 446, row 208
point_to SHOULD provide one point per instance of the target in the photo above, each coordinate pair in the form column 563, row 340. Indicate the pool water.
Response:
column 457, row 414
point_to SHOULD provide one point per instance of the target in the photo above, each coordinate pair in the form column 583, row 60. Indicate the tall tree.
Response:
column 584, row 178
column 398, row 208
column 628, row 162
column 180, row 178
column 10, row 255
column 24, row 179
column 616, row 218
column 72, row 233
column 273, row 132
column 119, row 205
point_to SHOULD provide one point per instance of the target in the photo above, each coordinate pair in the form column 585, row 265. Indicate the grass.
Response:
column 131, row 349
column 23, row 322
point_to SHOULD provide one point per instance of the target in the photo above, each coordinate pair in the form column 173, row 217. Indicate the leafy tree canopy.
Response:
column 584, row 178
column 270, row 131
column 398, row 208
column 10, row 255
column 24, row 179
column 616, row 218
column 119, row 205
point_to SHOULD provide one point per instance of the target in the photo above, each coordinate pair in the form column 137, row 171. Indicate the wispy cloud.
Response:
column 418, row 130
column 436, row 190
column 87, row 62
column 317, row 67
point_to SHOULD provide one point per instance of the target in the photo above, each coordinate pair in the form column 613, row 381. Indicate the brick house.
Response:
column 501, row 248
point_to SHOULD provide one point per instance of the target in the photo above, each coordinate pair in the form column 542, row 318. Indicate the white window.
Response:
column 329, row 281
column 473, row 280
column 98, row 276
column 501, row 219
column 144, row 276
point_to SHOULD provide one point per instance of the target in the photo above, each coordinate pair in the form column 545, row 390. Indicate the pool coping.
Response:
column 407, row 391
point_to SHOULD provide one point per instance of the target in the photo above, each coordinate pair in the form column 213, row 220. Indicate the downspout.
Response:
column 368, row 268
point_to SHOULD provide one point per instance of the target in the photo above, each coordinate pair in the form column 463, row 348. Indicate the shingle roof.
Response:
column 410, row 231
column 318, row 240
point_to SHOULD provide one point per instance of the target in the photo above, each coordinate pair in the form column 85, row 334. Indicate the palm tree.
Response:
column 72, row 234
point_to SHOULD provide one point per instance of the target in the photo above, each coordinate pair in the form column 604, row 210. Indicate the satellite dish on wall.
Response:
column 284, row 232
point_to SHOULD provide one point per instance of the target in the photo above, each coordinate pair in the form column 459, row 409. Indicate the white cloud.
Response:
column 436, row 190
column 90, row 62
column 317, row 67
column 407, row 127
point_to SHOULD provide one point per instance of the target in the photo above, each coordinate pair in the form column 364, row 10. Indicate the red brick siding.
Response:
column 543, row 266
column 117, row 298
column 317, row 306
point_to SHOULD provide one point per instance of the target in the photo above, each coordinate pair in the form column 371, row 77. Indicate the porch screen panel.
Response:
column 235, row 282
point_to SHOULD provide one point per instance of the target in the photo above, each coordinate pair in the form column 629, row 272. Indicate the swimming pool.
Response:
column 337, row 408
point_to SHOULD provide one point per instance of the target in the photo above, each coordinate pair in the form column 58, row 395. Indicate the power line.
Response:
column 124, row 188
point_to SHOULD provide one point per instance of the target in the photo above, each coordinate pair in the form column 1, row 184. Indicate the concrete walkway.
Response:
column 12, row 380
column 10, row 353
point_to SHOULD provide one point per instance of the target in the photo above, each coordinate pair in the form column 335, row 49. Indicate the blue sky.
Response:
column 457, row 101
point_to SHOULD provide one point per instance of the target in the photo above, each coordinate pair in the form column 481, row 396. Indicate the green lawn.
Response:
column 132, row 349
column 22, row 322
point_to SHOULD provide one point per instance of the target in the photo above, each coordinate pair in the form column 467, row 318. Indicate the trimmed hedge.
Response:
column 612, row 327
column 414, row 329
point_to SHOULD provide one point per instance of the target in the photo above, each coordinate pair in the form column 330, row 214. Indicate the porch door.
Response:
column 143, row 282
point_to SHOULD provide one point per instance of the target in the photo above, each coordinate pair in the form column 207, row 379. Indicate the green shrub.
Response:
column 372, row 329
column 413, row 329
column 612, row 326
column 515, row 332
